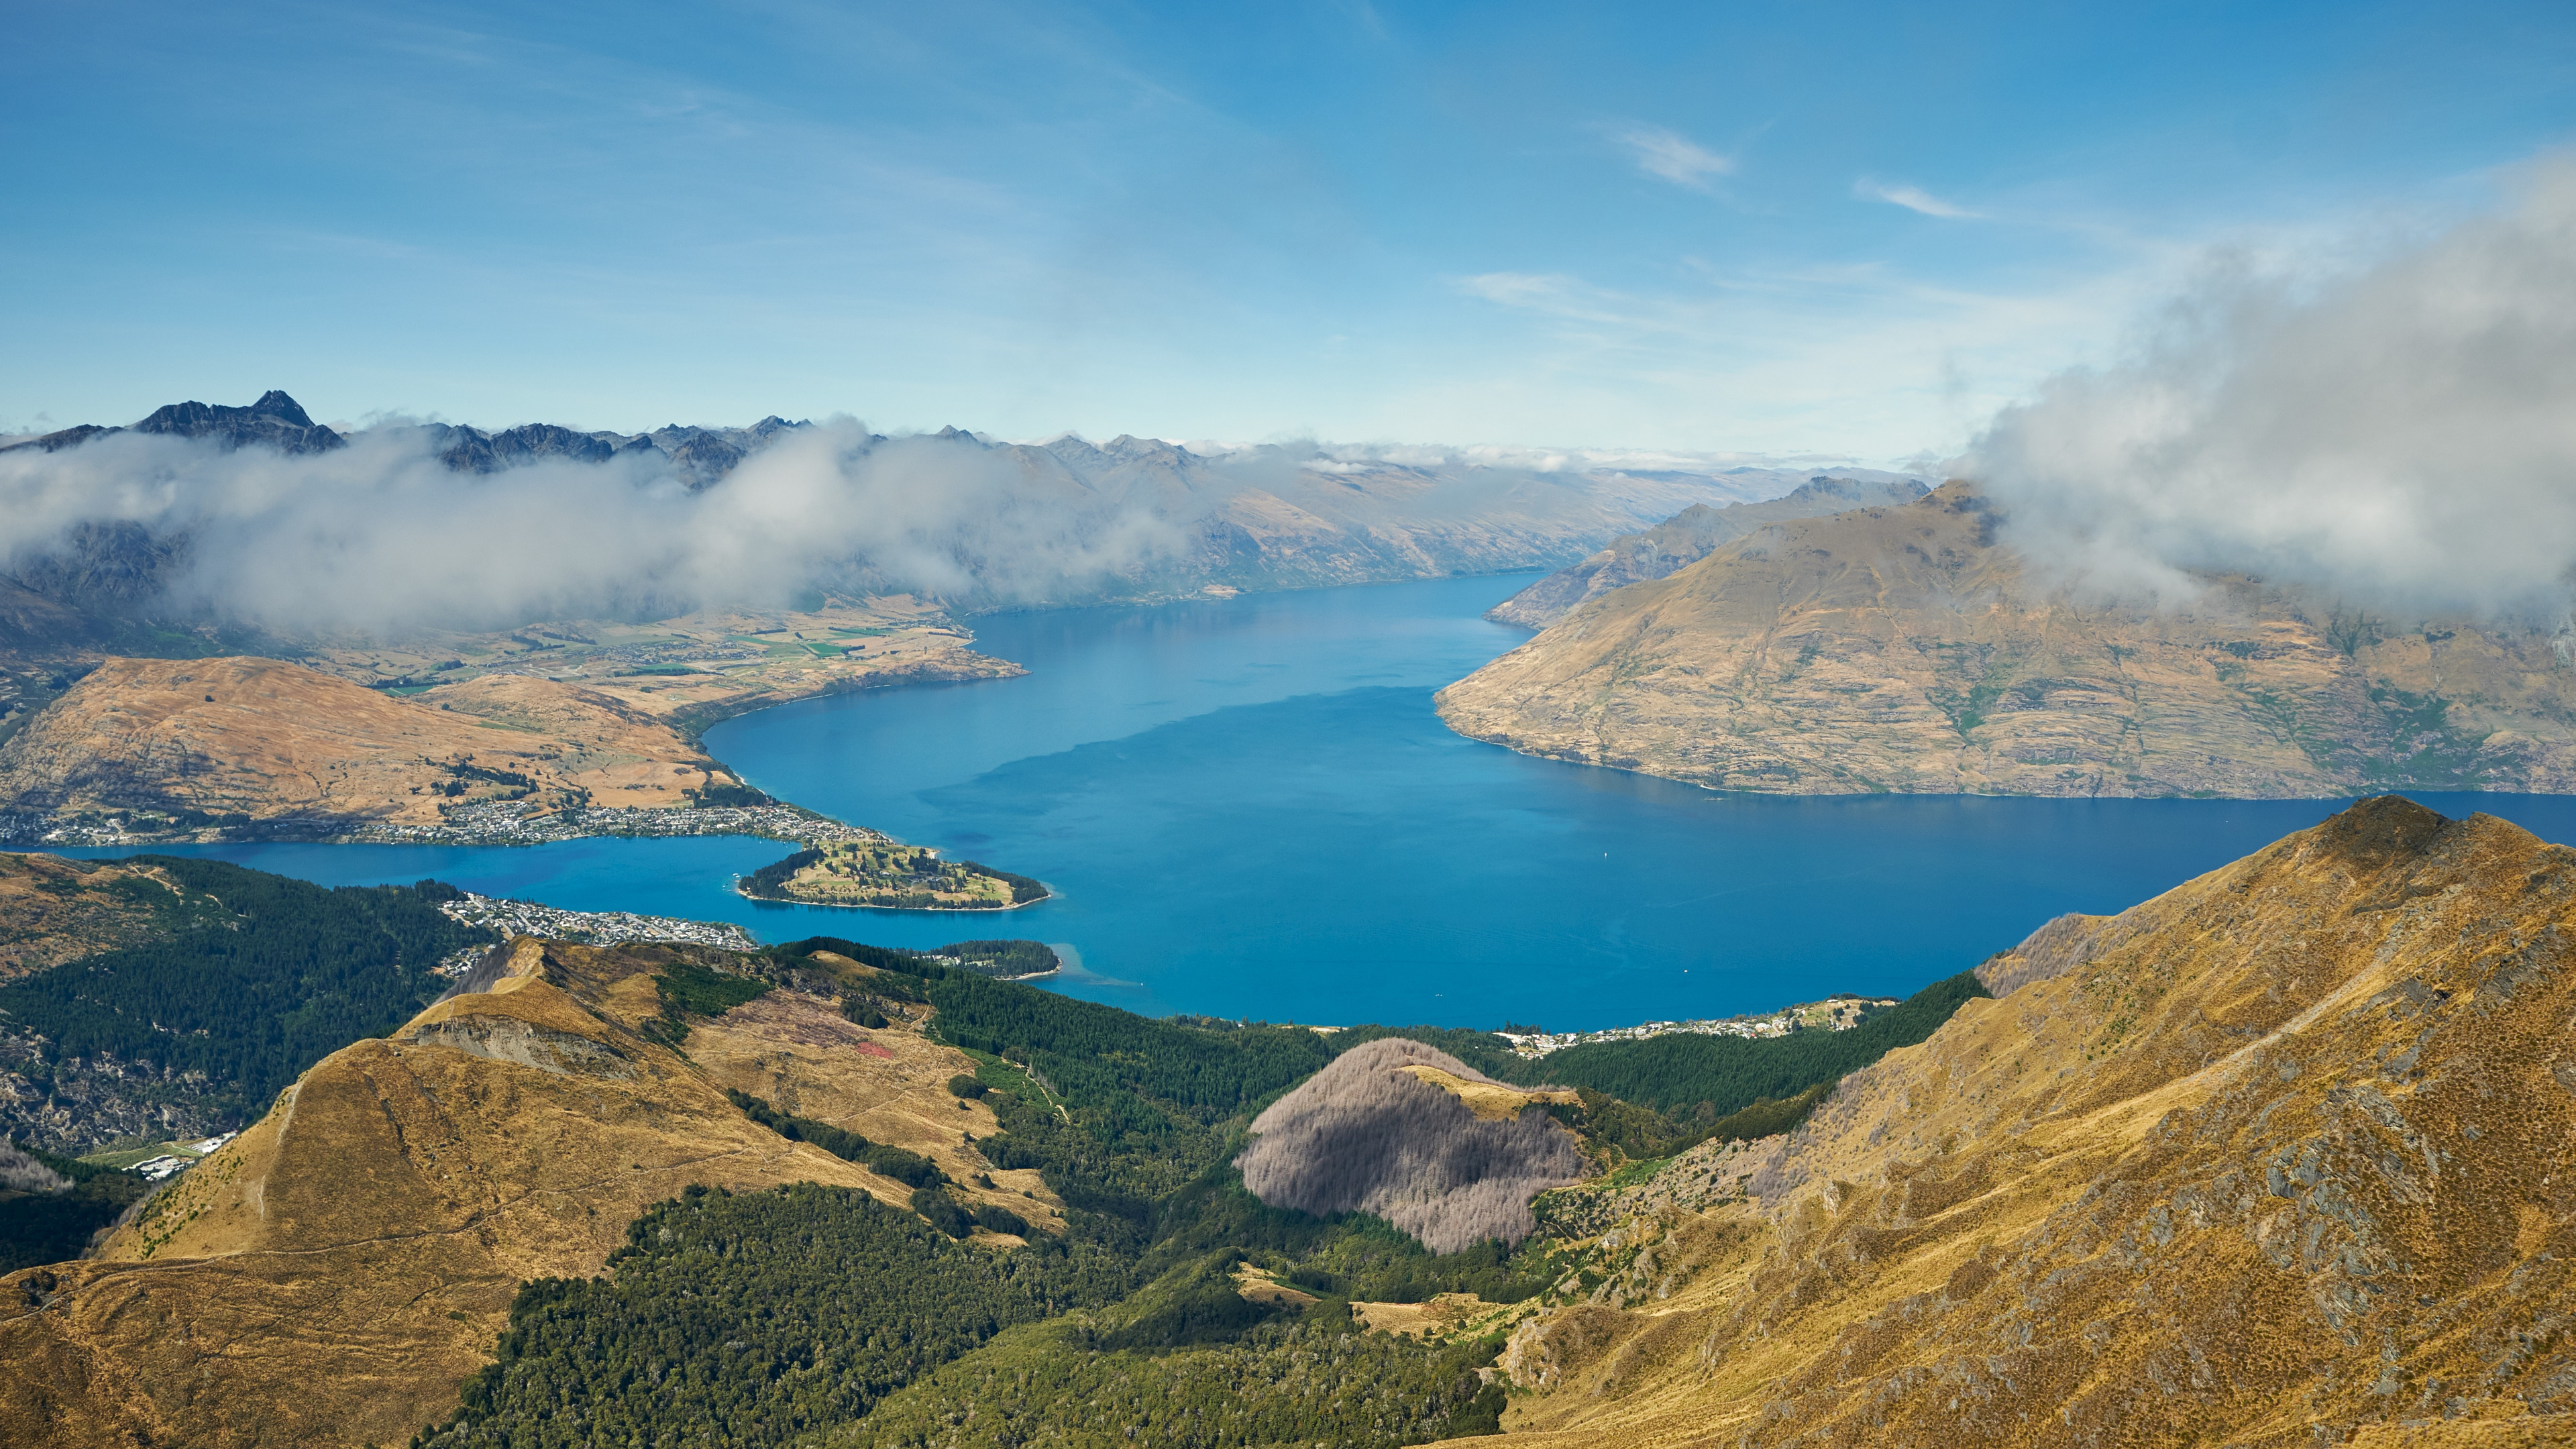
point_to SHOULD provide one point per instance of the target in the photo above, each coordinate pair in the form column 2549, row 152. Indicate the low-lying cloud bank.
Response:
column 381, row 535
column 398, row 529
column 2404, row 436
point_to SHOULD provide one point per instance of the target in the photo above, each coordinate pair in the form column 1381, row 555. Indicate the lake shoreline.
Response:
column 1252, row 810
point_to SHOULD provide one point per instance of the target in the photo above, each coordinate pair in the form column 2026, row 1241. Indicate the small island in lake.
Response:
column 887, row 876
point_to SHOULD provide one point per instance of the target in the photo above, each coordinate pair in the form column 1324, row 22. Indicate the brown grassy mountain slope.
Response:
column 54, row 910
column 1903, row 649
column 2282, row 1156
column 332, row 1275
column 293, row 748
column 1683, row 539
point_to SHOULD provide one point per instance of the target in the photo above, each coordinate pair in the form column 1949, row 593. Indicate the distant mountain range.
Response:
column 275, row 421
column 1001, row 523
column 701, row 455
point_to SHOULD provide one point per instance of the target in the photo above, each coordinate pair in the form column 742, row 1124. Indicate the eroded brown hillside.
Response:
column 332, row 1275
column 1905, row 649
column 2280, row 1157
column 290, row 747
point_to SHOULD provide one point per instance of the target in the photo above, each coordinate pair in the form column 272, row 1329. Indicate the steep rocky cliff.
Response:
column 1686, row 538
column 2278, row 1157
column 1907, row 649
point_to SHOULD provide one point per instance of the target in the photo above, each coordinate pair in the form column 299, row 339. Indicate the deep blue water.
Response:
column 1249, row 809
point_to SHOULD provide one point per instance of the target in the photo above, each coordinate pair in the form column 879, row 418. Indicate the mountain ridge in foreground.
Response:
column 364, row 1240
column 1909, row 649
column 2275, row 1158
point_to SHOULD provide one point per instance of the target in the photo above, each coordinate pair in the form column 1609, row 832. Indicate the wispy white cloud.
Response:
column 1912, row 198
column 1552, row 293
column 1674, row 157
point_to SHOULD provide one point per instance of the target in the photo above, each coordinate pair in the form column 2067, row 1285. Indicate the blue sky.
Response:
column 1842, row 230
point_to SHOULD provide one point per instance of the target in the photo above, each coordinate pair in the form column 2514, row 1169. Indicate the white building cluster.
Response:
column 511, row 822
column 592, row 928
column 1840, row 1013
column 171, row 1164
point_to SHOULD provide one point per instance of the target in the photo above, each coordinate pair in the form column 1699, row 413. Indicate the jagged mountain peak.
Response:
column 276, row 421
column 1129, row 448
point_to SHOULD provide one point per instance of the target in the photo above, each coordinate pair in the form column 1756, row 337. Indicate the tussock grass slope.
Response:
column 2276, row 1158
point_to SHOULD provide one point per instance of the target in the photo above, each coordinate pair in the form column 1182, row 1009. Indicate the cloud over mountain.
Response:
column 2404, row 434
column 429, row 525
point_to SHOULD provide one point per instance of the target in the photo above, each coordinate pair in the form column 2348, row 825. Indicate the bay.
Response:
column 1248, row 809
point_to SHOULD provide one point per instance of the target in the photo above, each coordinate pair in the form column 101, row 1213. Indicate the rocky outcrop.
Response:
column 275, row 421
column 1418, row 1138
column 2275, row 1158
column 1908, row 649
column 1686, row 538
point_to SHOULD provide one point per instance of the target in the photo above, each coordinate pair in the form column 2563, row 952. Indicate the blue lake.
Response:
column 1248, row 808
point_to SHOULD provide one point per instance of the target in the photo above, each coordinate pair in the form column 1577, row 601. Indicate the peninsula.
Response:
column 1911, row 649
column 882, row 875
column 546, row 733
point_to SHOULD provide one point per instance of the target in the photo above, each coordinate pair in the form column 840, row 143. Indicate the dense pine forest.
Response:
column 1702, row 1078
column 1314, row 1378
column 260, row 977
column 1145, row 1096
column 752, row 1318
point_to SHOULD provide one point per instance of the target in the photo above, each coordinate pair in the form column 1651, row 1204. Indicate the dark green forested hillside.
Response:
column 1707, row 1077
column 1147, row 1101
column 281, row 974
column 50, row 1227
column 1308, row 1379
column 751, row 1318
